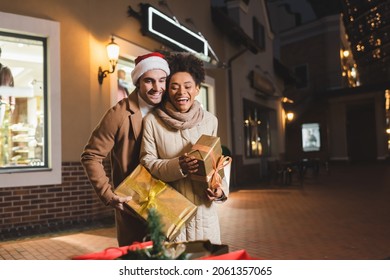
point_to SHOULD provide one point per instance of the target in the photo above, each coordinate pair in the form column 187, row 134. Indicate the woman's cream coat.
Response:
column 160, row 150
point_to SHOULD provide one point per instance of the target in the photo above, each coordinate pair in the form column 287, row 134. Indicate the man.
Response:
column 119, row 134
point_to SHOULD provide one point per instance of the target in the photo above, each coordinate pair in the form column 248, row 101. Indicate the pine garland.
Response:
column 158, row 251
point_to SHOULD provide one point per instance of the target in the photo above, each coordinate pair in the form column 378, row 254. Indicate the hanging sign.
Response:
column 169, row 30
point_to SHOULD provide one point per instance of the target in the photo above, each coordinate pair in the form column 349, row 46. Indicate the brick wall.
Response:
column 33, row 210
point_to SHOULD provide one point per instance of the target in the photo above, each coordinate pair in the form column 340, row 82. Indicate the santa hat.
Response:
column 147, row 62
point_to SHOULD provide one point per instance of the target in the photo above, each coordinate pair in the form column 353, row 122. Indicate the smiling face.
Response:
column 182, row 91
column 152, row 86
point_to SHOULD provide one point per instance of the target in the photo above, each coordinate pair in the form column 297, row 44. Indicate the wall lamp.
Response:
column 290, row 116
column 113, row 55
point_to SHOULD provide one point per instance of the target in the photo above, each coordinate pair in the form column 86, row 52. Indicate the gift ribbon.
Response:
column 149, row 197
column 150, row 200
column 213, row 177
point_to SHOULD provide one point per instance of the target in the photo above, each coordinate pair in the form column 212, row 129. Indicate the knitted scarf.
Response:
column 175, row 119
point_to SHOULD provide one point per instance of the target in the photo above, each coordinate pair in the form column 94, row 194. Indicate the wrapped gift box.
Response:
column 175, row 209
column 208, row 151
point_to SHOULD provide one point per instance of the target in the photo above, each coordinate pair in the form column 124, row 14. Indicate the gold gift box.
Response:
column 208, row 151
column 175, row 209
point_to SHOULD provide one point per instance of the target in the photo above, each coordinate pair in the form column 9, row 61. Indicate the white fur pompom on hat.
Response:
column 147, row 62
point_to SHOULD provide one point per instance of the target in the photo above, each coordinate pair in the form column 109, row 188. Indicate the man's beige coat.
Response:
column 119, row 135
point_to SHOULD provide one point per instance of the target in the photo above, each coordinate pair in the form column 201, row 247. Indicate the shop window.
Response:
column 311, row 140
column 30, row 150
column 23, row 98
column 256, row 126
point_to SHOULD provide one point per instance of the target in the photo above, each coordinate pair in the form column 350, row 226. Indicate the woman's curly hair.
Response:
column 186, row 62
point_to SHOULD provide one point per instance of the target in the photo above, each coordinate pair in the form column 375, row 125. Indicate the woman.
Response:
column 7, row 80
column 169, row 133
column 7, row 106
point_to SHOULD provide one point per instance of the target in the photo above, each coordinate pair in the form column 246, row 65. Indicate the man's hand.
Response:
column 117, row 201
column 188, row 164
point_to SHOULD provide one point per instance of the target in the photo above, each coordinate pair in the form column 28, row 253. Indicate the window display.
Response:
column 256, row 125
column 22, row 101
column 30, row 107
column 311, row 137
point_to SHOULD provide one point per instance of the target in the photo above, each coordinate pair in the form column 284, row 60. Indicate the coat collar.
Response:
column 135, row 113
column 133, row 102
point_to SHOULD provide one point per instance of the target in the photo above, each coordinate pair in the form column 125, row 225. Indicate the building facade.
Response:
column 347, row 118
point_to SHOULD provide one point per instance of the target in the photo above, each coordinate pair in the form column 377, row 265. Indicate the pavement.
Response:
column 339, row 214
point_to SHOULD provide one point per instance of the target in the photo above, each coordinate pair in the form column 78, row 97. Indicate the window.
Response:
column 258, row 33
column 206, row 95
column 302, row 74
column 30, row 137
column 203, row 97
column 127, row 55
column 23, row 98
column 256, row 126
column 124, row 82
column 311, row 140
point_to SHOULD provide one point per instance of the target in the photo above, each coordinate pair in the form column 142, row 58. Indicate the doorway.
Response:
column 361, row 132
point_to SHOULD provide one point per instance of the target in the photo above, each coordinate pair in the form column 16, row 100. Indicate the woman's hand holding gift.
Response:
column 188, row 164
